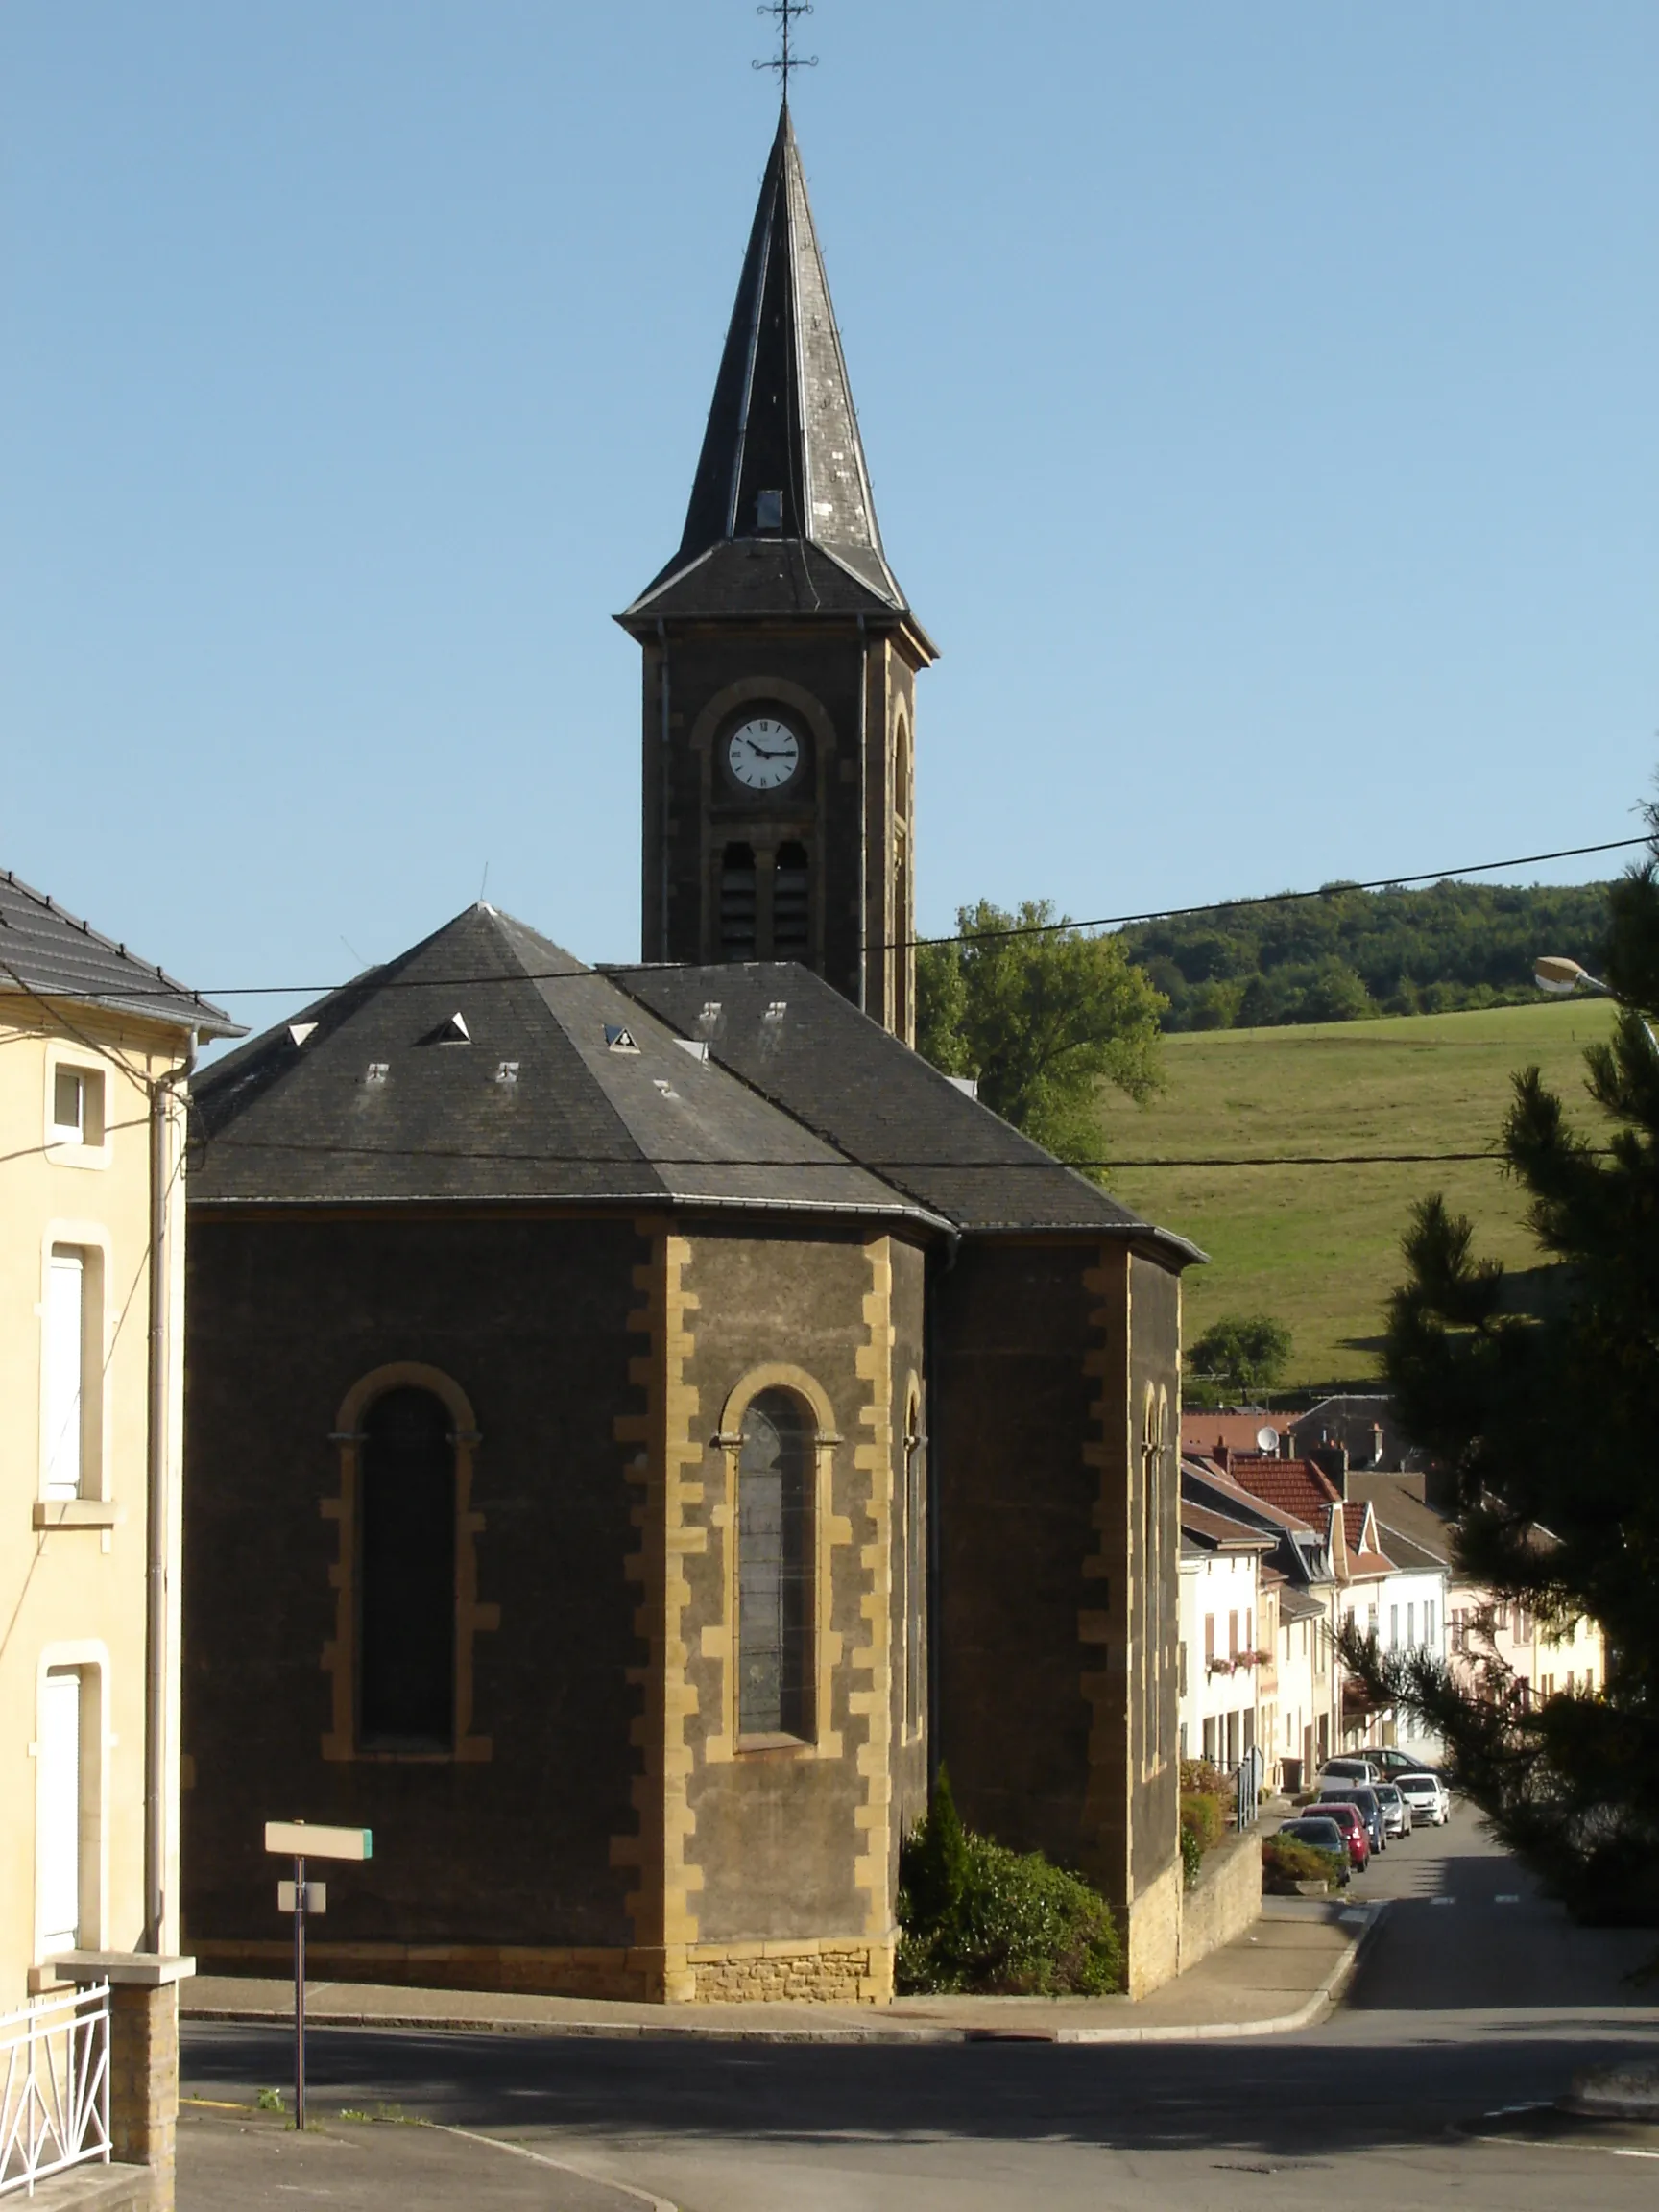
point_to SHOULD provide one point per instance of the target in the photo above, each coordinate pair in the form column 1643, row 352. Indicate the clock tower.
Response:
column 780, row 660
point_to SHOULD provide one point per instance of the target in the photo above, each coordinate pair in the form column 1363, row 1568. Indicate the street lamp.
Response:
column 1561, row 977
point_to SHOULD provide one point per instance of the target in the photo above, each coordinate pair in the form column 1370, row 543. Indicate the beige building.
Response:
column 97, row 1046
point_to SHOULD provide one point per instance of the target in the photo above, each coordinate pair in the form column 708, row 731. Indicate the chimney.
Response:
column 1223, row 1456
column 1333, row 1459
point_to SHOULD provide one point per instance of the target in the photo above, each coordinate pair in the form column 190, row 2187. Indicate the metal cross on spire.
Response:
column 786, row 59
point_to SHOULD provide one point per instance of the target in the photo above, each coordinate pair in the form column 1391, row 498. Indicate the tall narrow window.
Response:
column 72, row 1397
column 790, row 920
column 775, row 1554
column 57, row 1779
column 913, row 1566
column 737, row 902
column 406, row 1694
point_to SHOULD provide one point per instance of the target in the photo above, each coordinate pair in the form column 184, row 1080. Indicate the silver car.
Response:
column 1428, row 1796
column 1395, row 1812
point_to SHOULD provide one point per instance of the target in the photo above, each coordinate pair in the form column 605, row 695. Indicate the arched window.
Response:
column 737, row 902
column 790, row 923
column 775, row 1563
column 406, row 1680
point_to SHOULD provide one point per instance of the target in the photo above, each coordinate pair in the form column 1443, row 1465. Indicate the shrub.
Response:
column 1192, row 1857
column 974, row 1915
column 1202, row 1816
column 1286, row 1859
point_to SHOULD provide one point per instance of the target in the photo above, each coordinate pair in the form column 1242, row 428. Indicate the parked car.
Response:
column 1350, row 1825
column 1360, row 1769
column 1396, row 1812
column 1323, row 1834
column 1392, row 1764
column 1370, row 1806
column 1428, row 1796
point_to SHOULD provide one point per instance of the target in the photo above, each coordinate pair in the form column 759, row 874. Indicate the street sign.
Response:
column 302, row 1840
column 299, row 1839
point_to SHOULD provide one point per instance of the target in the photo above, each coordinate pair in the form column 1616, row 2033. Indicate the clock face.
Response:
column 764, row 754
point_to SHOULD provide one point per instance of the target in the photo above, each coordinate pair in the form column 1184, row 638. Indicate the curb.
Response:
column 1324, row 1999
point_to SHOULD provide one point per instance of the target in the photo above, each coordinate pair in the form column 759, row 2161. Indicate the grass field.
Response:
column 1318, row 1248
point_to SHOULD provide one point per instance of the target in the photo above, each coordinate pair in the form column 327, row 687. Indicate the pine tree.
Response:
column 1547, row 1424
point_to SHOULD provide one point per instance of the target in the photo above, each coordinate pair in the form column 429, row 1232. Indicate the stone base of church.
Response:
column 1152, row 1945
column 825, row 1970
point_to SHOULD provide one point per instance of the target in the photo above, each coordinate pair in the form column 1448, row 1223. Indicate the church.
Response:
column 640, row 1420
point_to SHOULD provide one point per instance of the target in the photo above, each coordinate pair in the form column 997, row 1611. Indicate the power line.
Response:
column 1327, row 891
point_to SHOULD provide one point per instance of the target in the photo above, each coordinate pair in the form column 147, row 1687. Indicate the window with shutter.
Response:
column 65, row 1371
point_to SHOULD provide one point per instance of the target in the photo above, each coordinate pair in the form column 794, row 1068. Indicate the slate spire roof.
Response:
column 781, row 516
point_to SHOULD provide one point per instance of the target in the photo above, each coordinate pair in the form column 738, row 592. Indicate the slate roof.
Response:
column 556, row 1086
column 782, row 421
column 1218, row 1533
column 1405, row 1518
column 47, row 950
column 787, row 1033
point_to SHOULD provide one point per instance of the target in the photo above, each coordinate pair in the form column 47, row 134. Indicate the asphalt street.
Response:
column 1476, row 1997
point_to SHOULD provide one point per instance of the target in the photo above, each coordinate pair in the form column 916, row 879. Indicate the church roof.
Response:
column 49, row 952
column 795, row 1039
column 781, row 428
column 488, row 1064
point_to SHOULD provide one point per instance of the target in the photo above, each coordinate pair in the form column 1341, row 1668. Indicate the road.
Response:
column 1477, row 1995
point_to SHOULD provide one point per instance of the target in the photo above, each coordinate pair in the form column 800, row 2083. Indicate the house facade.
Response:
column 97, row 1049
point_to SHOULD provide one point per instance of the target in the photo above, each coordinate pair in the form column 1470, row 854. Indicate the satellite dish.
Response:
column 1267, row 1439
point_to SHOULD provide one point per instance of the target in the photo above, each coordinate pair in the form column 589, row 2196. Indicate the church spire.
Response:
column 782, row 457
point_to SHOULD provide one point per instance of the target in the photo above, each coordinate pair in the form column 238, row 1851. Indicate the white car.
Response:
column 1427, row 1795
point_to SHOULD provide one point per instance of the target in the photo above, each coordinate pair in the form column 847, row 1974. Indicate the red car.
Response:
column 1352, row 1822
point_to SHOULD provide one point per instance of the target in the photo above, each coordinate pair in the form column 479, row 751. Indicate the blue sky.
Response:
column 1260, row 405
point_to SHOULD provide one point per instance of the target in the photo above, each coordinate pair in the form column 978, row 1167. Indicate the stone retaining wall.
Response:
column 1226, row 1902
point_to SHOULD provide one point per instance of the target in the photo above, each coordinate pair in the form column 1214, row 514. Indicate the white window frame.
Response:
column 72, row 1151
column 90, row 1659
column 90, row 1240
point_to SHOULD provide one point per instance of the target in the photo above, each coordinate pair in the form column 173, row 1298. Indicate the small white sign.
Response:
column 299, row 1839
column 316, row 1896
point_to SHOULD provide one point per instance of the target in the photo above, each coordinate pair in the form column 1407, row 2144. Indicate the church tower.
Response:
column 780, row 660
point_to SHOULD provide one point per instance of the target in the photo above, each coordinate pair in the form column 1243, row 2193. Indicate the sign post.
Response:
column 300, row 1897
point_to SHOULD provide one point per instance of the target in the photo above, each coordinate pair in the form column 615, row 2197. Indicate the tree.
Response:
column 1041, row 1020
column 1544, row 1422
column 1246, row 1352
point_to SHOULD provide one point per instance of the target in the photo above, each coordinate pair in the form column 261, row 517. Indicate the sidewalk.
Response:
column 1283, row 1975
column 231, row 2159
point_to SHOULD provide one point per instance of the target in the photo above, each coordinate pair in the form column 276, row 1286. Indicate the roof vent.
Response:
column 378, row 1070
column 664, row 1086
column 768, row 509
column 508, row 1072
column 695, row 1046
column 967, row 1085
column 453, row 1031
column 301, row 1032
column 776, row 1011
column 618, row 1039
column 713, row 1019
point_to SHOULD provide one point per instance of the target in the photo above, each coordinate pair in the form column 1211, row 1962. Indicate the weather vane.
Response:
column 786, row 59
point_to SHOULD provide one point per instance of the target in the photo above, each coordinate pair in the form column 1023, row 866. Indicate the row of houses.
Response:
column 1282, row 1549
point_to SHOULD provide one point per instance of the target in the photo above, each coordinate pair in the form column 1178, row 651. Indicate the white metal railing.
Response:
column 54, row 2086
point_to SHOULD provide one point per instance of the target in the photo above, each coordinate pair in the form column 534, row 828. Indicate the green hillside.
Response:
column 1318, row 1246
column 1349, row 954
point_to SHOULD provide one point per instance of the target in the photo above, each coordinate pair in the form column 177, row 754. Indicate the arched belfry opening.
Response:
column 780, row 655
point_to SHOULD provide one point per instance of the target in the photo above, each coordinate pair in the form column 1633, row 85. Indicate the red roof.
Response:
column 1294, row 1485
column 1362, row 1562
column 1208, row 1433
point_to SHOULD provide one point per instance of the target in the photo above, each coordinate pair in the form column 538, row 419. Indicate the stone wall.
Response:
column 827, row 1973
column 1227, row 1900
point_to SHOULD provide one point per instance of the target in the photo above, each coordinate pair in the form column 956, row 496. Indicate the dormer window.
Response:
column 769, row 511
